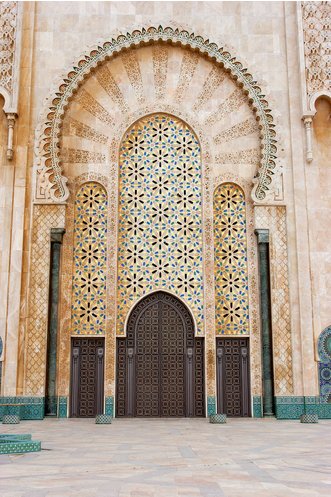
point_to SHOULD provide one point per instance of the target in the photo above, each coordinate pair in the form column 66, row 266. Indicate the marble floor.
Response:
column 170, row 458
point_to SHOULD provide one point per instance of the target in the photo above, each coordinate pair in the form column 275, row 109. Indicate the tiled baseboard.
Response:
column 34, row 407
column 211, row 406
column 292, row 407
column 287, row 407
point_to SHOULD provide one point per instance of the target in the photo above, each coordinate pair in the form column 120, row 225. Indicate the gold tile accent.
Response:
column 231, row 277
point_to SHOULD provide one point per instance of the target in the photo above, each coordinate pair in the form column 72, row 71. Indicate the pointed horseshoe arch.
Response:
column 160, row 364
column 50, row 184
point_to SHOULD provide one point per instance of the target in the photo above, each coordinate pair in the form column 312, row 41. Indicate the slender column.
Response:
column 266, row 330
column 56, row 242
column 308, row 120
column 11, row 118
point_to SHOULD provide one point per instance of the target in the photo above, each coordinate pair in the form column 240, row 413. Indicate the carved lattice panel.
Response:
column 160, row 235
column 45, row 218
column 90, row 260
column 8, row 25
column 231, row 277
column 316, row 32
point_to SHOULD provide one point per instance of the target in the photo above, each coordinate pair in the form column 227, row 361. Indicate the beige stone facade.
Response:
column 252, row 82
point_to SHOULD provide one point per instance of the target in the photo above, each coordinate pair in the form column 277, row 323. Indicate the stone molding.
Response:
column 51, row 185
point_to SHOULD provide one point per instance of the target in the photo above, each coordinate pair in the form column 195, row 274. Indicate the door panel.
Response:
column 233, row 387
column 147, row 362
column 87, row 377
column 160, row 363
column 172, row 361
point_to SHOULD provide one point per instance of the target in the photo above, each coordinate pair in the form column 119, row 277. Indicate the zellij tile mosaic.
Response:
column 90, row 260
column 231, row 280
column 160, row 234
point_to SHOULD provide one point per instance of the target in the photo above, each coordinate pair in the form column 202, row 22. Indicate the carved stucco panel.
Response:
column 45, row 217
column 274, row 219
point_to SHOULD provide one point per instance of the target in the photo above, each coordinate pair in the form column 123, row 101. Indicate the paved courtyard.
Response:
column 170, row 458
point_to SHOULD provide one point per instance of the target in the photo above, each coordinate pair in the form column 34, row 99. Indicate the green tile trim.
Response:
column 12, row 436
column 109, row 406
column 257, row 407
column 292, row 407
column 63, row 407
column 17, row 445
column 211, row 406
column 33, row 408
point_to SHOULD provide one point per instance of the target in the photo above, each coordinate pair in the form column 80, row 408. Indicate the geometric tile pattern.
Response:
column 103, row 419
column 217, row 418
column 10, row 419
column 160, row 235
column 231, row 279
column 324, row 367
column 211, row 406
column 28, row 407
column 18, row 444
column 63, row 407
column 90, row 261
column 109, row 405
column 274, row 219
column 324, row 345
column 324, row 373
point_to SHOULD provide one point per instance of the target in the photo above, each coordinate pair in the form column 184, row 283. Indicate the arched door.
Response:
column 160, row 362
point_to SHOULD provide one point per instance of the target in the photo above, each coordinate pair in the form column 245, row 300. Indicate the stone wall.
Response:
column 265, row 38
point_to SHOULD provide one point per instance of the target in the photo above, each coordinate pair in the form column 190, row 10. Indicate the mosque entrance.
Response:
column 160, row 362
column 233, row 398
column 87, row 374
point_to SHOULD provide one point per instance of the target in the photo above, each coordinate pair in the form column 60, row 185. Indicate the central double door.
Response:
column 160, row 363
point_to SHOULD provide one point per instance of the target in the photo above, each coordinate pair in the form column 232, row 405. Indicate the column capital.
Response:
column 57, row 234
column 262, row 235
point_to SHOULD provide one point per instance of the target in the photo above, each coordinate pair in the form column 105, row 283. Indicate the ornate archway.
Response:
column 51, row 184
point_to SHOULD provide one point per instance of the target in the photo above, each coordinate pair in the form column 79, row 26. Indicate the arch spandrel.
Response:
column 50, row 182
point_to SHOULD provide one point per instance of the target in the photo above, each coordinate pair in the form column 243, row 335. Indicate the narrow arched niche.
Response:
column 322, row 126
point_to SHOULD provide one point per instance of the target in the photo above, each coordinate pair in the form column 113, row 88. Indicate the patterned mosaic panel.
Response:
column 324, row 345
column 324, row 367
column 90, row 260
column 160, row 235
column 231, row 279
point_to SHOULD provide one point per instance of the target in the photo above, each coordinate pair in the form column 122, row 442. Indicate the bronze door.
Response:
column 233, row 388
column 160, row 363
column 87, row 374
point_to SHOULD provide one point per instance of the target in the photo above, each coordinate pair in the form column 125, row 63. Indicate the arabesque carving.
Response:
column 8, row 20
column 316, row 31
column 50, row 184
